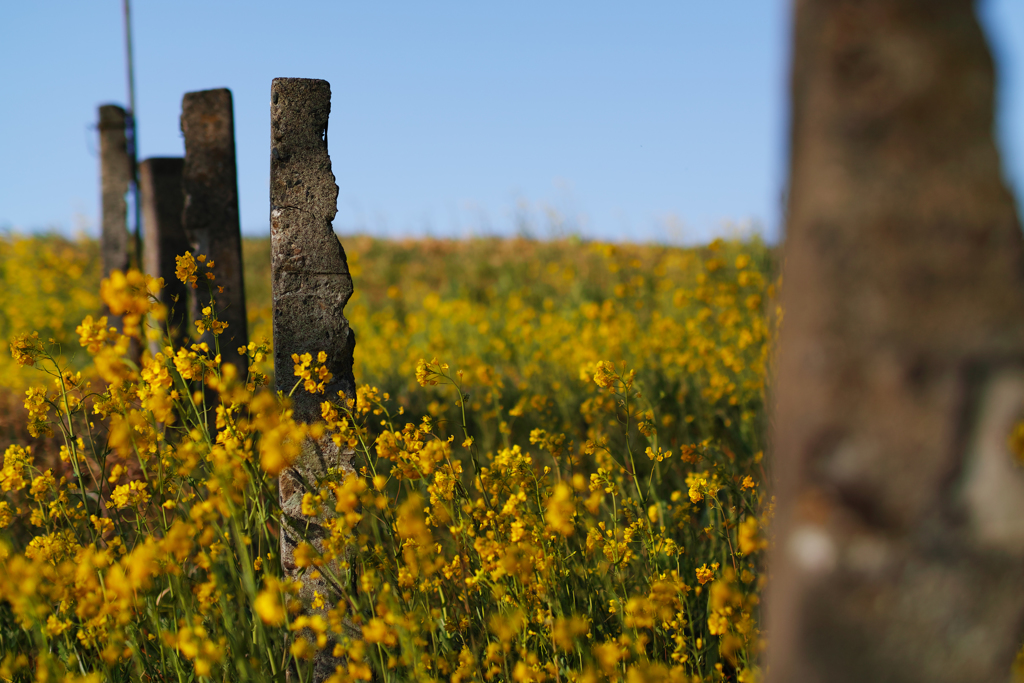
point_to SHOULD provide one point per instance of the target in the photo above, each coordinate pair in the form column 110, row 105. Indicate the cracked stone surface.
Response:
column 311, row 282
column 311, row 285
column 899, row 548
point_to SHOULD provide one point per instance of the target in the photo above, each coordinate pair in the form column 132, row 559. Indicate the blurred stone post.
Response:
column 899, row 537
column 162, row 205
column 210, row 217
column 311, row 285
column 115, row 175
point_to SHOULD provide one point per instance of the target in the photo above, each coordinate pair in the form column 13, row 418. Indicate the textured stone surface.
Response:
column 162, row 204
column 115, row 175
column 210, row 218
column 319, row 460
column 311, row 282
column 311, row 285
column 899, row 540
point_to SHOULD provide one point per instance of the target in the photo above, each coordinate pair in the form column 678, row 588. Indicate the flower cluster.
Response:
column 188, row 268
column 525, row 509
column 151, row 536
column 313, row 377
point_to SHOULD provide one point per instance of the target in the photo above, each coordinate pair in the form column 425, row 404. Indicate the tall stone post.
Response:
column 311, row 285
column 162, row 204
column 115, row 175
column 210, row 217
column 899, row 542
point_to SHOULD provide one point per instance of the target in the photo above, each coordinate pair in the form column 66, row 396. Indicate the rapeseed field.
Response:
column 559, row 454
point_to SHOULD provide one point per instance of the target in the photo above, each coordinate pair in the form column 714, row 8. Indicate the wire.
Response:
column 132, row 135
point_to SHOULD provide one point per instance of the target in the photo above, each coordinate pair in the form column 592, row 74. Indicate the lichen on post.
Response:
column 311, row 285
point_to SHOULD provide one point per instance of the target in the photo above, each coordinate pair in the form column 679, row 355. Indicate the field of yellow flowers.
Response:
column 559, row 455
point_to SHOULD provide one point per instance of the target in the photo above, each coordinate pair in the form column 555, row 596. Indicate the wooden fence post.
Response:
column 311, row 285
column 210, row 216
column 899, row 541
column 162, row 205
column 115, row 175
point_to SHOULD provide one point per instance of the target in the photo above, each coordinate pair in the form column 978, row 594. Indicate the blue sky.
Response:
column 663, row 121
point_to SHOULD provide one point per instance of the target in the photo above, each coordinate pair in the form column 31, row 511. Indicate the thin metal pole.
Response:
column 132, row 135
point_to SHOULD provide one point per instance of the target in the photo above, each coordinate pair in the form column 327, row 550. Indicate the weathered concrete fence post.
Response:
column 899, row 531
column 162, row 204
column 210, row 217
column 115, row 175
column 311, row 285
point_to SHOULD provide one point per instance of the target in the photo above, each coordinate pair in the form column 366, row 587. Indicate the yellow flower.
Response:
column 268, row 607
column 653, row 514
column 428, row 373
column 102, row 524
column 55, row 626
column 26, row 348
column 565, row 631
column 696, row 495
column 604, row 374
column 306, row 555
column 311, row 505
column 561, row 509
column 132, row 494
column 705, row 574
column 749, row 539
column 608, row 656
column 38, row 412
column 42, row 486
column 314, row 377
column 699, row 486
column 12, row 475
column 506, row 626
column 128, row 295
column 186, row 268
column 376, row 631
column 658, row 455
